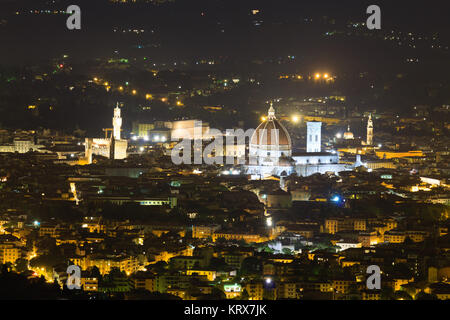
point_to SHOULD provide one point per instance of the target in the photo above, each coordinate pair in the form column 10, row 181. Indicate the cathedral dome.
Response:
column 348, row 135
column 271, row 133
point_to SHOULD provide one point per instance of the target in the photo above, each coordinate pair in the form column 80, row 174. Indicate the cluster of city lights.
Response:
column 134, row 92
column 231, row 172
column 156, row 138
column 324, row 76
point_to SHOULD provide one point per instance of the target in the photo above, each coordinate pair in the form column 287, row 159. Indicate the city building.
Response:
column 270, row 152
column 113, row 147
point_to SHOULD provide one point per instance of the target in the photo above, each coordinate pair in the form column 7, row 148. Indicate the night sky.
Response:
column 182, row 31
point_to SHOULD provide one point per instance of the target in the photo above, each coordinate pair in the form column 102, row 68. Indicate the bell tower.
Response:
column 117, row 123
column 313, row 136
column 369, row 140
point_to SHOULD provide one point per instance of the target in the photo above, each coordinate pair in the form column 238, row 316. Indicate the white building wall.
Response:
column 308, row 169
column 268, row 153
column 319, row 159
column 120, row 149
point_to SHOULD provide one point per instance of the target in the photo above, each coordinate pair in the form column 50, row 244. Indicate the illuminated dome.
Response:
column 348, row 135
column 270, row 139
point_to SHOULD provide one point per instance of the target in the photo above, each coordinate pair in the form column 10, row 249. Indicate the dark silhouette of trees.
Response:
column 14, row 286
